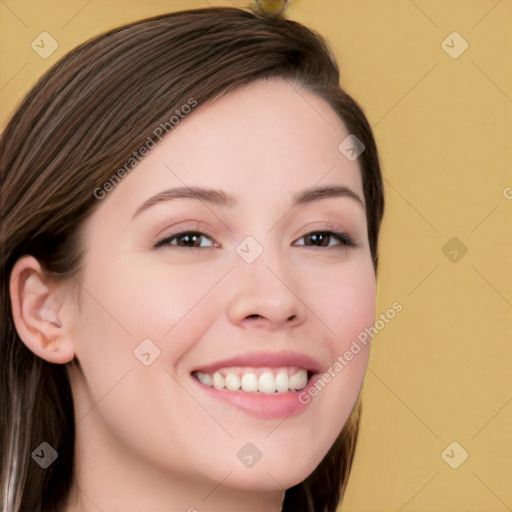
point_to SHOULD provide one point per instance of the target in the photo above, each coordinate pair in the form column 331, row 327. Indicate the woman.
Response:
column 191, row 209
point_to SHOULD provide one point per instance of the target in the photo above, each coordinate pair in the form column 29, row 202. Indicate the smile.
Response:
column 256, row 380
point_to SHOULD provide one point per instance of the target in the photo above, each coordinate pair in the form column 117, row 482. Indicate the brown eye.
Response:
column 323, row 239
column 185, row 239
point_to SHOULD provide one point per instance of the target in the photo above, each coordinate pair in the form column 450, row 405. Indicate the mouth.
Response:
column 262, row 385
column 262, row 380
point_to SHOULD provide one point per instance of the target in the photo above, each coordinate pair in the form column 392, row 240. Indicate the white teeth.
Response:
column 299, row 380
column 205, row 378
column 218, row 381
column 232, row 382
column 269, row 381
column 249, row 383
column 282, row 382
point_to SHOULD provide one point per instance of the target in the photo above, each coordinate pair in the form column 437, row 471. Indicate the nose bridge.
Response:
column 265, row 287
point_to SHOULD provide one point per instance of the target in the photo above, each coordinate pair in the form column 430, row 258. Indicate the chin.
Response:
column 270, row 476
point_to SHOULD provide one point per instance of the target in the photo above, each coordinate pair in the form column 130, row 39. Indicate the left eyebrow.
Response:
column 222, row 199
column 314, row 194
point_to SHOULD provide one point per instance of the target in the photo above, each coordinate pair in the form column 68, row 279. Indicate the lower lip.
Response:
column 262, row 405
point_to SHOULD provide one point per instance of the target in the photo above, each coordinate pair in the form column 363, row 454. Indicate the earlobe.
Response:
column 37, row 309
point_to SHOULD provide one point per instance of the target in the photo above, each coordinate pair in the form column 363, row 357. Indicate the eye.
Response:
column 192, row 240
column 322, row 239
column 185, row 239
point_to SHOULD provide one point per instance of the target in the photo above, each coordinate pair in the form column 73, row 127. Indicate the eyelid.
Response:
column 184, row 226
column 326, row 225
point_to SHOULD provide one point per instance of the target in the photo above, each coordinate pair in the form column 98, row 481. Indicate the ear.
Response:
column 38, row 311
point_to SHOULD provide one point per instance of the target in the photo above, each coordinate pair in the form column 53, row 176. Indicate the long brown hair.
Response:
column 79, row 124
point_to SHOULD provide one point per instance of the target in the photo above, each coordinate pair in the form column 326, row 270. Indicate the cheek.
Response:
column 170, row 304
column 352, row 315
column 127, row 303
column 344, row 301
column 137, row 299
column 346, row 307
column 355, row 308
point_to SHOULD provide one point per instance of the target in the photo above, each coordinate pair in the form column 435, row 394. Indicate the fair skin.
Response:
column 152, row 437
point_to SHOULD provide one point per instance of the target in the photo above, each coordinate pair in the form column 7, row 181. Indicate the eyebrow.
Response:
column 222, row 199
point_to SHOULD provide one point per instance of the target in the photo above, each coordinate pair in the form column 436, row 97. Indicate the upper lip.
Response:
column 265, row 359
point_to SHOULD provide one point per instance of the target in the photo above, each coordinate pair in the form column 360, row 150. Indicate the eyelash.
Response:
column 345, row 239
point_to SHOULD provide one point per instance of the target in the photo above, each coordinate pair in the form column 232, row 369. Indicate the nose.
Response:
column 266, row 296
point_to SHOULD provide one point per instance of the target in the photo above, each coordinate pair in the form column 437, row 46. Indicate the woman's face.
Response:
column 259, row 285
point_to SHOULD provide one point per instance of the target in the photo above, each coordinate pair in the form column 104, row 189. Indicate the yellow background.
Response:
column 441, row 370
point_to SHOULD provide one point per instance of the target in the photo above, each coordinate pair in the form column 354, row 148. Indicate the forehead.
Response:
column 261, row 142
